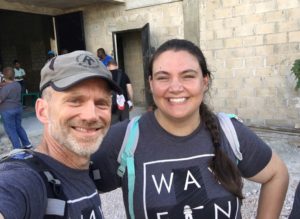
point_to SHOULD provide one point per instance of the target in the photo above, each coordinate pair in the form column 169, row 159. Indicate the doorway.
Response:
column 70, row 32
column 131, row 49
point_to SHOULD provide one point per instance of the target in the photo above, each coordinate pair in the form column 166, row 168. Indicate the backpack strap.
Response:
column 56, row 203
column 119, row 76
column 126, row 159
column 230, row 133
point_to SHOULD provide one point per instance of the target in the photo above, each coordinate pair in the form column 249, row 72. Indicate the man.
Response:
column 75, row 110
column 19, row 74
column 125, row 100
column 103, row 57
column 295, row 213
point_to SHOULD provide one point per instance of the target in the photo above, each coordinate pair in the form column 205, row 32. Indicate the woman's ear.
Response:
column 206, row 82
column 41, row 110
column 150, row 83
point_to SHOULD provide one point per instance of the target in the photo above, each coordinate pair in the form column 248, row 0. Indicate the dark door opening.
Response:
column 132, row 52
column 70, row 32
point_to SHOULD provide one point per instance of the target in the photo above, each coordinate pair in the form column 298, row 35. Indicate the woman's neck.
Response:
column 178, row 127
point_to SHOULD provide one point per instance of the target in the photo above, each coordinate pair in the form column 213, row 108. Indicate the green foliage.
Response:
column 296, row 70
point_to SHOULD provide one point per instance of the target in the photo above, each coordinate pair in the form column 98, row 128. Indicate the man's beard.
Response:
column 83, row 146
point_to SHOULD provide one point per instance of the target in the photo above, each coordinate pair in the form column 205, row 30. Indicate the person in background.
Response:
column 1, row 75
column 295, row 213
column 11, row 110
column 183, row 162
column 64, row 51
column 75, row 111
column 123, row 81
column 103, row 57
column 51, row 54
column 19, row 74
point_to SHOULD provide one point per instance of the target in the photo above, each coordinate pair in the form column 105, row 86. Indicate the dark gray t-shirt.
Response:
column 295, row 213
column 173, row 178
column 23, row 192
column 10, row 96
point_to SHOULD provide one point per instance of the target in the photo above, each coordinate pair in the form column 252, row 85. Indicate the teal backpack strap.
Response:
column 230, row 133
column 126, row 158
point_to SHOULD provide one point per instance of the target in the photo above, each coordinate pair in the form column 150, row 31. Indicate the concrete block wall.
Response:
column 250, row 47
column 100, row 21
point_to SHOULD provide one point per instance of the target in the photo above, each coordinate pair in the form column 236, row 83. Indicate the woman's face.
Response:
column 177, row 85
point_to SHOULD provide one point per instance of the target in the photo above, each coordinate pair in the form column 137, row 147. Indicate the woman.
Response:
column 183, row 168
column 11, row 110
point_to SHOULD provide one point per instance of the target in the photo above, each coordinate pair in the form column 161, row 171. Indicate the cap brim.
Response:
column 65, row 83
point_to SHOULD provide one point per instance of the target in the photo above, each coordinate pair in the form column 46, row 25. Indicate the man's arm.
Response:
column 1, row 216
column 129, row 91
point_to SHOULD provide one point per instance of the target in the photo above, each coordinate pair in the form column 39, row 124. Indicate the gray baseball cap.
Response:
column 64, row 71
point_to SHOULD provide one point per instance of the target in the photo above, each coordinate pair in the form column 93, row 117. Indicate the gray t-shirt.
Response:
column 173, row 178
column 23, row 192
column 10, row 96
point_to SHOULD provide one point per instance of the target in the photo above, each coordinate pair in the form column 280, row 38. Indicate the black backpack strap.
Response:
column 56, row 206
column 119, row 77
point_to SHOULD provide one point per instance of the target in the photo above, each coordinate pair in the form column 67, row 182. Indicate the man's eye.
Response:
column 74, row 101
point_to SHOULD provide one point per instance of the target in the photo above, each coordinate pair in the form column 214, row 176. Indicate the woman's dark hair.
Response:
column 224, row 169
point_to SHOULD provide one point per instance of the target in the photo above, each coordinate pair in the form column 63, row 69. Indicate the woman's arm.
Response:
column 274, row 179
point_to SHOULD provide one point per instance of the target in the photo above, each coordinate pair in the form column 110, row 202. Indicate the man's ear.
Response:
column 41, row 110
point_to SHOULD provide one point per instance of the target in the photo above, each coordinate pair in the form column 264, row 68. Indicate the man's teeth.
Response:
column 84, row 130
column 177, row 100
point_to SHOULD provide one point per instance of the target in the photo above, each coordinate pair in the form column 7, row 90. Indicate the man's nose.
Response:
column 89, row 111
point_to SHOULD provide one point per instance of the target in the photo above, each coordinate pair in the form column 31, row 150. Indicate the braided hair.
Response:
column 224, row 169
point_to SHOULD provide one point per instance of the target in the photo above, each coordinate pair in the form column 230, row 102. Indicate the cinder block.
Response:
column 294, row 36
column 233, row 22
column 283, row 4
column 275, row 16
column 265, row 28
column 224, row 33
column 265, row 6
column 276, row 38
column 253, row 41
column 245, row 30
column 214, row 44
column 253, row 19
column 232, row 63
column 264, row 50
column 243, row 9
column 291, row 25
column 233, row 42
column 256, row 62
column 223, row 13
column 230, row 3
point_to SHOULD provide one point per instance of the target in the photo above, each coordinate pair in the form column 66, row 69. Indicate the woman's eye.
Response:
column 189, row 76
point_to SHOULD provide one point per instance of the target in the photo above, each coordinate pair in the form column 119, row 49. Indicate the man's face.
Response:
column 79, row 118
column 100, row 54
column 17, row 65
